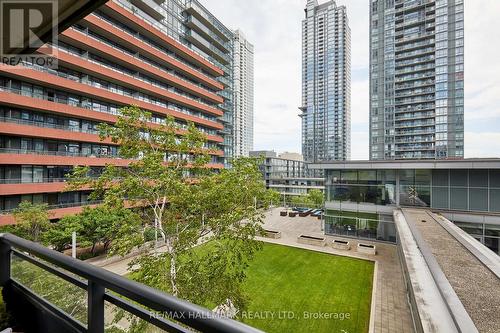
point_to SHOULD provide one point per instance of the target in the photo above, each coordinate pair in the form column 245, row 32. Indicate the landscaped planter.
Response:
column 283, row 213
column 292, row 214
column 311, row 240
column 367, row 249
column 305, row 213
column 272, row 234
column 341, row 245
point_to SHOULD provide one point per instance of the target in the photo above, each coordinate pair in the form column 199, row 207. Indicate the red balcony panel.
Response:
column 49, row 80
column 50, row 133
column 54, row 214
column 75, row 37
column 115, row 77
column 109, row 31
column 140, row 24
column 34, row 159
column 35, row 188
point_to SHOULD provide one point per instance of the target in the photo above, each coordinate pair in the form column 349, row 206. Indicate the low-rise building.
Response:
column 288, row 173
column 362, row 195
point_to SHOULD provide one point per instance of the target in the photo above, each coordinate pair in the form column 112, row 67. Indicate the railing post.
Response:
column 95, row 309
column 4, row 262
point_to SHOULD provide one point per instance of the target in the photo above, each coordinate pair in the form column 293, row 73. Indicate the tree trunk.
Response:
column 173, row 275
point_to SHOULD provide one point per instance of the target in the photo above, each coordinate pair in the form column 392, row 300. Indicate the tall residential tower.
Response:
column 416, row 79
column 326, row 83
column 243, row 94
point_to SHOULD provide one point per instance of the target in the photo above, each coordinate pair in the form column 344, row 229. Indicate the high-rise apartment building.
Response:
column 172, row 58
column 326, row 83
column 243, row 61
column 416, row 79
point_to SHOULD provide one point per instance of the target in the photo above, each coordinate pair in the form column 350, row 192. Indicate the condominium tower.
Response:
column 326, row 83
column 243, row 57
column 416, row 79
column 172, row 58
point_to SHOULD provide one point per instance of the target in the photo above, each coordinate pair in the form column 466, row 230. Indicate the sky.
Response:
column 274, row 27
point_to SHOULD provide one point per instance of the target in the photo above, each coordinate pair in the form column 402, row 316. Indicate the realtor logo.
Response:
column 25, row 27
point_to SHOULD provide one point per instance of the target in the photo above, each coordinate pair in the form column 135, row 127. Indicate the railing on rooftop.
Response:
column 100, row 287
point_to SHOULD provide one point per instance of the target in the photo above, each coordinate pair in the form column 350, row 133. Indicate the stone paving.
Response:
column 390, row 310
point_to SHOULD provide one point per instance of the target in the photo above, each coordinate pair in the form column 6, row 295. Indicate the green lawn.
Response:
column 286, row 281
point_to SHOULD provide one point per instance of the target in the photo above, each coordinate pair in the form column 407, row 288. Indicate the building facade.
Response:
column 362, row 196
column 416, row 79
column 326, row 83
column 172, row 58
column 243, row 69
column 288, row 173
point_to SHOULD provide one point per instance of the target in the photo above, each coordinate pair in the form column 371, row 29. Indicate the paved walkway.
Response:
column 390, row 311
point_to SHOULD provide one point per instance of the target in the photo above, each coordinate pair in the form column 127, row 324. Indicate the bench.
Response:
column 311, row 240
column 274, row 234
column 367, row 249
column 292, row 214
column 283, row 213
column 341, row 245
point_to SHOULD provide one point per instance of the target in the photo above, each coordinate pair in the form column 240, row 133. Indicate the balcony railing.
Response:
column 47, row 125
column 100, row 287
column 59, row 206
column 19, row 151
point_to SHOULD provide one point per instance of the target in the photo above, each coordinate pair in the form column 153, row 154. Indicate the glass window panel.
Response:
column 407, row 177
column 495, row 178
column 492, row 230
column 367, row 176
column 440, row 197
column 495, row 200
column 423, row 177
column 478, row 198
column 459, row 199
column 478, row 178
column 387, row 176
column 27, row 174
column 459, row 178
column 350, row 176
column 440, row 178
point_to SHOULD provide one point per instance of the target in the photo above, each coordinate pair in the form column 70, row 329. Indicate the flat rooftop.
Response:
column 469, row 163
column 466, row 273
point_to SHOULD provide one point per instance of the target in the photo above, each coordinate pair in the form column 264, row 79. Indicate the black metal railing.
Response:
column 101, row 287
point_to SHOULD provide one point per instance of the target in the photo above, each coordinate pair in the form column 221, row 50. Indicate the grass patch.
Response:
column 282, row 278
column 283, row 281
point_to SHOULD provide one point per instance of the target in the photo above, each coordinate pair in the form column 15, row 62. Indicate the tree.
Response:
column 302, row 200
column 317, row 198
column 186, row 202
column 60, row 235
column 116, row 228
column 31, row 220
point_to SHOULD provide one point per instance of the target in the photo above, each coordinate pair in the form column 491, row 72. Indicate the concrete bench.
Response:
column 311, row 240
column 367, row 249
column 341, row 245
column 274, row 234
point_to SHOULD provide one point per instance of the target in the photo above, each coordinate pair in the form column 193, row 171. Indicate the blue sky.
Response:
column 274, row 27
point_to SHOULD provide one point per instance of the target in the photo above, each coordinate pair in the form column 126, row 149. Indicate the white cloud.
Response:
column 274, row 27
column 482, row 144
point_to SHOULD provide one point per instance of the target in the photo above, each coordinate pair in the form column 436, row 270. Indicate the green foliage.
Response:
column 149, row 234
column 301, row 201
column 317, row 197
column 117, row 228
column 31, row 221
column 66, row 296
column 5, row 317
column 187, row 202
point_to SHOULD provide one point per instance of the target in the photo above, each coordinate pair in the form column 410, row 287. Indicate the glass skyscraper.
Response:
column 416, row 79
column 326, row 83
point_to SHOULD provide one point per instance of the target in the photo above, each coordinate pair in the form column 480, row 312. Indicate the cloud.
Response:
column 482, row 144
column 274, row 27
